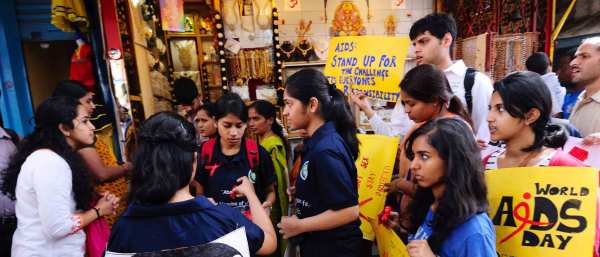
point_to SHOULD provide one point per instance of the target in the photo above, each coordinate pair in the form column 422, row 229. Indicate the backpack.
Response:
column 468, row 83
column 207, row 149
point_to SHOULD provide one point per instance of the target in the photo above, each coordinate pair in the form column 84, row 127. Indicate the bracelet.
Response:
column 97, row 212
column 76, row 224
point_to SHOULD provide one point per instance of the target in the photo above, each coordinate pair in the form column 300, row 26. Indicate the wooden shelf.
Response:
column 187, row 35
column 302, row 64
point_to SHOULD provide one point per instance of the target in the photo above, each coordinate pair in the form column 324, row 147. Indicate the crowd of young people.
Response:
column 216, row 167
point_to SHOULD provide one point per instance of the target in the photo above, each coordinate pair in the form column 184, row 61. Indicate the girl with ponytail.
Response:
column 519, row 116
column 426, row 95
column 262, row 122
column 326, row 195
column 230, row 155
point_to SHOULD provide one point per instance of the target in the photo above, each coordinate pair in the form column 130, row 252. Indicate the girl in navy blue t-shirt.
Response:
column 326, row 195
column 231, row 156
column 163, row 214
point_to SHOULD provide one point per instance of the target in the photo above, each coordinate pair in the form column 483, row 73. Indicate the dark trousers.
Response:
column 8, row 225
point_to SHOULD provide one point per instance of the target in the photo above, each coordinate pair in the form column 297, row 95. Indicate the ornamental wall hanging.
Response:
column 347, row 19
column 473, row 51
column 509, row 52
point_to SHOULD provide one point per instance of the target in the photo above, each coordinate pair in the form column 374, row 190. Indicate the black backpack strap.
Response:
column 14, row 137
column 468, row 83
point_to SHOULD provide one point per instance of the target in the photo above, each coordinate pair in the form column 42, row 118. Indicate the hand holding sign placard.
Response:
column 375, row 165
column 543, row 211
column 388, row 243
column 373, row 65
column 592, row 151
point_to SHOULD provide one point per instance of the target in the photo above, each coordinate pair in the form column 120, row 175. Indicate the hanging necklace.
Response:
column 243, row 65
column 304, row 51
column 267, row 65
column 288, row 53
column 527, row 158
column 320, row 49
column 523, row 162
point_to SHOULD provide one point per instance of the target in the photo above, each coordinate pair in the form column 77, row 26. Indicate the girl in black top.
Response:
column 218, row 173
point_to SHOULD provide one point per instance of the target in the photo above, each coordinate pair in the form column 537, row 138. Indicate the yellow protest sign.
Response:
column 543, row 211
column 375, row 164
column 388, row 242
column 373, row 65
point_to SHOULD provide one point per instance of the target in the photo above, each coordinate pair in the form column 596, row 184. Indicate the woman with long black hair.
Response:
column 51, row 184
column 326, row 195
column 447, row 216
column 98, row 156
column 262, row 122
column 426, row 95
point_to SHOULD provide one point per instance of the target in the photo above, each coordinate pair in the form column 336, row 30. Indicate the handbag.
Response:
column 96, row 237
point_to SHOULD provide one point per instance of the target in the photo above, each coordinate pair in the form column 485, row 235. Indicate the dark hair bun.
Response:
column 555, row 136
column 168, row 127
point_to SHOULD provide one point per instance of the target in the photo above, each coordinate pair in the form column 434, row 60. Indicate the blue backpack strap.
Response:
column 468, row 83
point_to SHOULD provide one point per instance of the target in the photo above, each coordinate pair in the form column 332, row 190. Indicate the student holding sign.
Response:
column 163, row 214
column 433, row 38
column 426, row 95
column 326, row 221
column 448, row 215
column 520, row 117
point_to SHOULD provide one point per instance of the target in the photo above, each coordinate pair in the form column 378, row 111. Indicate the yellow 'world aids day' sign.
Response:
column 375, row 165
column 543, row 211
column 373, row 65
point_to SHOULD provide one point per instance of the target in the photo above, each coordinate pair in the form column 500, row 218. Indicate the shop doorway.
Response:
column 47, row 63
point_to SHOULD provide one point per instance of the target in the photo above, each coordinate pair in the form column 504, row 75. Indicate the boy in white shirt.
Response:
column 433, row 38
